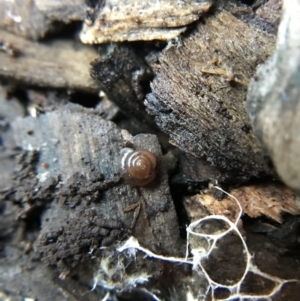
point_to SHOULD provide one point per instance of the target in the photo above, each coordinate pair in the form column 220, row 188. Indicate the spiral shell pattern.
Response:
column 138, row 167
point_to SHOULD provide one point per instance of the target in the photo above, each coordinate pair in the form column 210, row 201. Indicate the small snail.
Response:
column 138, row 167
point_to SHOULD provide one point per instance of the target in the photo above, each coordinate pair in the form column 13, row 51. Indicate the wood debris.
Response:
column 79, row 147
column 201, row 205
column 34, row 19
column 271, row 200
column 117, row 21
column 62, row 200
column 55, row 65
column 198, row 94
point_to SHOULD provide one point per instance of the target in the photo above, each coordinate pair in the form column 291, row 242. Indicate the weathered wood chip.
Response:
column 52, row 65
column 139, row 20
column 271, row 200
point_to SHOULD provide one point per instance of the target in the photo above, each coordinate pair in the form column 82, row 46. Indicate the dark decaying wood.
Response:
column 83, row 151
column 62, row 175
column 199, row 94
column 274, row 99
column 124, row 76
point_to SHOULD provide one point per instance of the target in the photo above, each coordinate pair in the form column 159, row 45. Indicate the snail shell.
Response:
column 138, row 167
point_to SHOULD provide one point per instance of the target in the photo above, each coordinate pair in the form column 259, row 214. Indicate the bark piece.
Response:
column 83, row 150
column 33, row 19
column 56, row 65
column 115, row 21
column 274, row 102
column 198, row 94
column 124, row 76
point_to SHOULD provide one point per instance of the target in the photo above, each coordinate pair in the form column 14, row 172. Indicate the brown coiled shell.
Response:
column 138, row 167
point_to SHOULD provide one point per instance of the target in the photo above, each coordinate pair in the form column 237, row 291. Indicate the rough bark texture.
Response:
column 198, row 94
column 129, row 20
column 274, row 99
column 123, row 75
column 72, row 142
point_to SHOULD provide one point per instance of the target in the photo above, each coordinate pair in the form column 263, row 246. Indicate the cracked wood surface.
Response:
column 199, row 94
column 72, row 141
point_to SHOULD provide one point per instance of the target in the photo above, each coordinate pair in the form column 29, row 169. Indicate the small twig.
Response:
column 136, row 207
column 132, row 207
